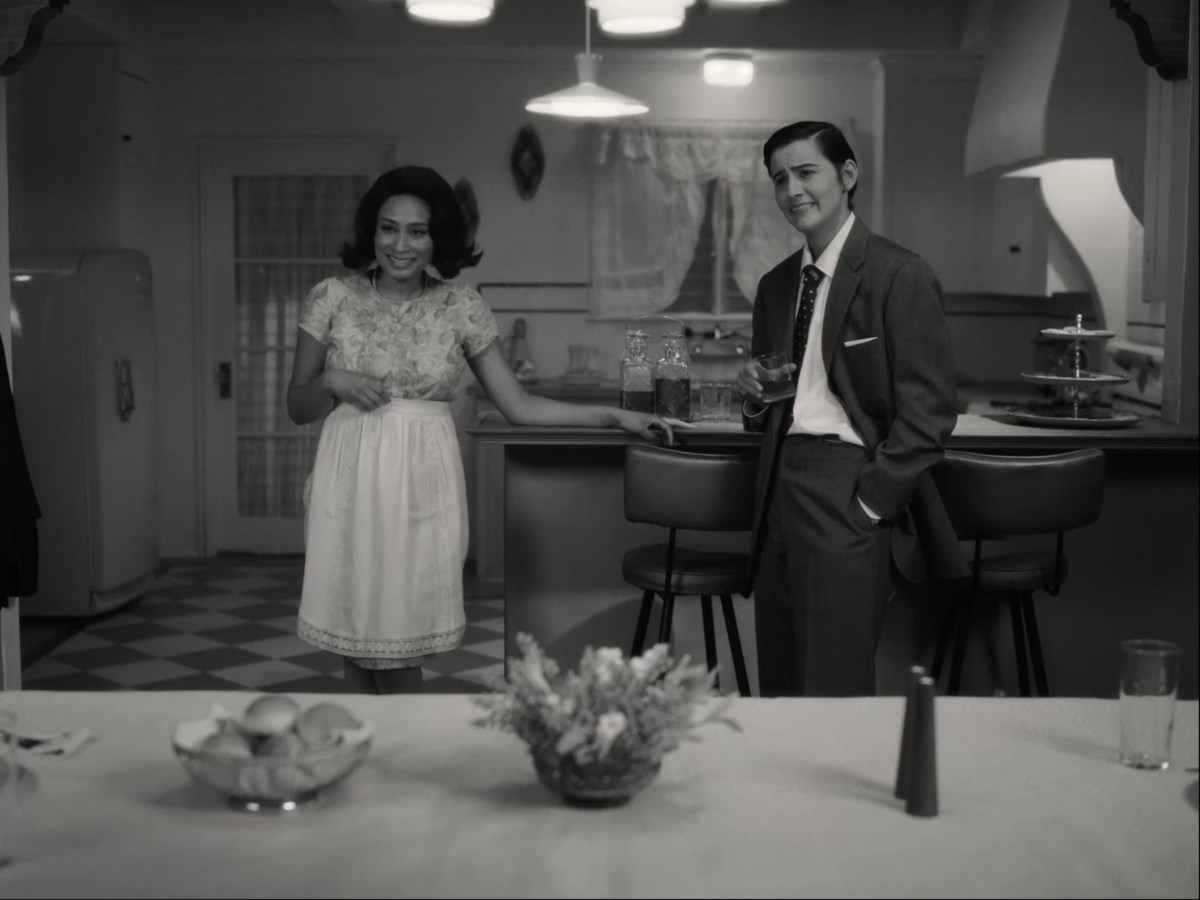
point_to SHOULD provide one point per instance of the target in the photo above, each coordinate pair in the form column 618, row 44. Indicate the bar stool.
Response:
column 990, row 497
column 679, row 489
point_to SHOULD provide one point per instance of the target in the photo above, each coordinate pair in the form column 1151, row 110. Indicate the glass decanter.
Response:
column 672, row 379
column 637, row 374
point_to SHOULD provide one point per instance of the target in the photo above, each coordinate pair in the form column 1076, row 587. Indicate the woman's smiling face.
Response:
column 810, row 191
column 403, row 245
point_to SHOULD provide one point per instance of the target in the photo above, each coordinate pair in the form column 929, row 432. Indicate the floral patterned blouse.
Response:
column 419, row 348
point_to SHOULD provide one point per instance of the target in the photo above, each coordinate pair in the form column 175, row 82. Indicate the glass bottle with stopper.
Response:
column 672, row 378
column 516, row 351
column 637, row 373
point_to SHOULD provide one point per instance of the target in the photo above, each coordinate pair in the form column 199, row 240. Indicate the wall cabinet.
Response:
column 84, row 164
column 982, row 234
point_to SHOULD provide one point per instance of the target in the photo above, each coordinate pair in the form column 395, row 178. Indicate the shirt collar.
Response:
column 829, row 259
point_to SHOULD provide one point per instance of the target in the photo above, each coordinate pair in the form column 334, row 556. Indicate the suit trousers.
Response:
column 825, row 575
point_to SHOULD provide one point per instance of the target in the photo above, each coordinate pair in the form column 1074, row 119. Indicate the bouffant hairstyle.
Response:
column 829, row 138
column 447, row 225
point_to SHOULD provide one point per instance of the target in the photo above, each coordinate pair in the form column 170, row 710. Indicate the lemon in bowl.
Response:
column 275, row 756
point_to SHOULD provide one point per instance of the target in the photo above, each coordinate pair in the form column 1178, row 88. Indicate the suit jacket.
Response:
column 19, row 510
column 896, row 381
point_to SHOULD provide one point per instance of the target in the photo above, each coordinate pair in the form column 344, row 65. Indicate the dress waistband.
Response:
column 401, row 406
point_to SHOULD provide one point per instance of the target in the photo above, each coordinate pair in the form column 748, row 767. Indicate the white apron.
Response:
column 386, row 533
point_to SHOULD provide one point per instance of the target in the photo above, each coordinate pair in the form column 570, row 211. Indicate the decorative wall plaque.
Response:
column 528, row 162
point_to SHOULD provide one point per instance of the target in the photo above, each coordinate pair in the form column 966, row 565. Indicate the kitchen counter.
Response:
column 972, row 432
column 1134, row 573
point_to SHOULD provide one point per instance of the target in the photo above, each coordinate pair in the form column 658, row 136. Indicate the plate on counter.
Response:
column 1083, row 378
column 1045, row 417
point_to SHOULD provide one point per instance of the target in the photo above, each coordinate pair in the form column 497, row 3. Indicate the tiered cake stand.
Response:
column 1076, row 406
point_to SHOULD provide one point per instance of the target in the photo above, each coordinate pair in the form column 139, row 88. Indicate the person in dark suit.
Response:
column 844, row 494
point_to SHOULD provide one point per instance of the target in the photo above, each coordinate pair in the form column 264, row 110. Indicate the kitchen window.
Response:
column 709, row 289
column 684, row 221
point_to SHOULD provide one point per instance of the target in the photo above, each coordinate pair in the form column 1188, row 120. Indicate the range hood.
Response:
column 1061, row 79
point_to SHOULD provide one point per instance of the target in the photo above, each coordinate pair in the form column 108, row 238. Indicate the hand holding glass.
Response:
column 776, row 377
column 1149, row 681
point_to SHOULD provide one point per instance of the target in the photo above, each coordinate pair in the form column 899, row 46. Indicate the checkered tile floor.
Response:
column 230, row 624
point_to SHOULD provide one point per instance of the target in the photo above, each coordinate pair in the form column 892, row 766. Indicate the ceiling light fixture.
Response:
column 451, row 12
column 587, row 100
column 728, row 68
column 639, row 16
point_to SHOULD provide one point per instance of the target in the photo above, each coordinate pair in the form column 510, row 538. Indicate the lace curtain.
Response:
column 648, row 207
column 288, row 230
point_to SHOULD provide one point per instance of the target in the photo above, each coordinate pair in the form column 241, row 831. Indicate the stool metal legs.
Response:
column 710, row 636
column 735, row 645
column 1018, row 629
column 1024, row 626
column 639, row 635
column 668, row 614
column 1035, row 644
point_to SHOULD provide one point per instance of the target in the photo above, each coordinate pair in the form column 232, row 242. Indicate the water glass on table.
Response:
column 776, row 377
column 1149, row 682
column 714, row 400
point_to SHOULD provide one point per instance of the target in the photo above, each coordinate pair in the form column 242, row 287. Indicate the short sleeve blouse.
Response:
column 419, row 347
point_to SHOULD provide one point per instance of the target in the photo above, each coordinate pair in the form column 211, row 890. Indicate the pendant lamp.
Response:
column 728, row 68
column 587, row 99
column 450, row 12
column 639, row 16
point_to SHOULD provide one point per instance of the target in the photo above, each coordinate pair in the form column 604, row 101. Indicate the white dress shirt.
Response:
column 815, row 409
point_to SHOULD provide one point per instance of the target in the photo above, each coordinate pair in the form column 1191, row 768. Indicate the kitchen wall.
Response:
column 460, row 112
column 460, row 116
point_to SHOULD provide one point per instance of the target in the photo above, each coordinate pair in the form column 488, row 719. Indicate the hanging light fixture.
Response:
column 639, row 16
column 728, row 68
column 587, row 100
column 451, row 12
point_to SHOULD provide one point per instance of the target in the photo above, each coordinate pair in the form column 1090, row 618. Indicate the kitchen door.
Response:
column 273, row 218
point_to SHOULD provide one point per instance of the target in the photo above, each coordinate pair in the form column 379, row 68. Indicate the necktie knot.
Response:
column 812, row 276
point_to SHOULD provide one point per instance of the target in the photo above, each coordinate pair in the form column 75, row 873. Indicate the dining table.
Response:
column 797, row 802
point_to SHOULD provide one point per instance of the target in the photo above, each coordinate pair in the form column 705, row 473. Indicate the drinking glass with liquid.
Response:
column 1149, row 683
column 776, row 377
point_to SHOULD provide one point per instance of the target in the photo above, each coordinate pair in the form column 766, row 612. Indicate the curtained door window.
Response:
column 288, row 230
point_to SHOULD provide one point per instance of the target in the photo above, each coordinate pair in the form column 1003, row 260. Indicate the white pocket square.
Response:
column 860, row 341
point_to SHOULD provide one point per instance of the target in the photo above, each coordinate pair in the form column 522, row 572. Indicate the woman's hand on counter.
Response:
column 647, row 425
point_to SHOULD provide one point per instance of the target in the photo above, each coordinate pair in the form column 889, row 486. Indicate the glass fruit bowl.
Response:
column 264, row 765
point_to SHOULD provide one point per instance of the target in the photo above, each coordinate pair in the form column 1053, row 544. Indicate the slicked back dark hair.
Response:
column 447, row 226
column 828, row 138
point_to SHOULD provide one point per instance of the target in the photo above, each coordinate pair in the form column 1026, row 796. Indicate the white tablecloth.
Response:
column 1033, row 803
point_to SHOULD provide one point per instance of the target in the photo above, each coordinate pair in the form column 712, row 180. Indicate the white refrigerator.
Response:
column 85, row 384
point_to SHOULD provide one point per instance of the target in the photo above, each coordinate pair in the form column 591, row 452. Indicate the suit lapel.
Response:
column 842, row 288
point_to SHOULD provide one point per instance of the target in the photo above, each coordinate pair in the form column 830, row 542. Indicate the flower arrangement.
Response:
column 616, row 714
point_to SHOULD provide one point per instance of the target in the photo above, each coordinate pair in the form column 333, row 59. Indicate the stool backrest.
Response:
column 684, row 489
column 990, row 496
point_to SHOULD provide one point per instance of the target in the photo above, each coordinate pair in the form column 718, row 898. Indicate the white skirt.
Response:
column 385, row 533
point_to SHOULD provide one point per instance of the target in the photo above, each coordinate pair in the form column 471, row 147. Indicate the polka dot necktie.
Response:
column 808, row 300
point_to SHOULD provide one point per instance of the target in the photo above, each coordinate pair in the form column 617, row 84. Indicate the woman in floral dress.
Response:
column 386, row 513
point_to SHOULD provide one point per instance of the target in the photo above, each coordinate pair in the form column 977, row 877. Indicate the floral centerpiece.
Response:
column 598, row 736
